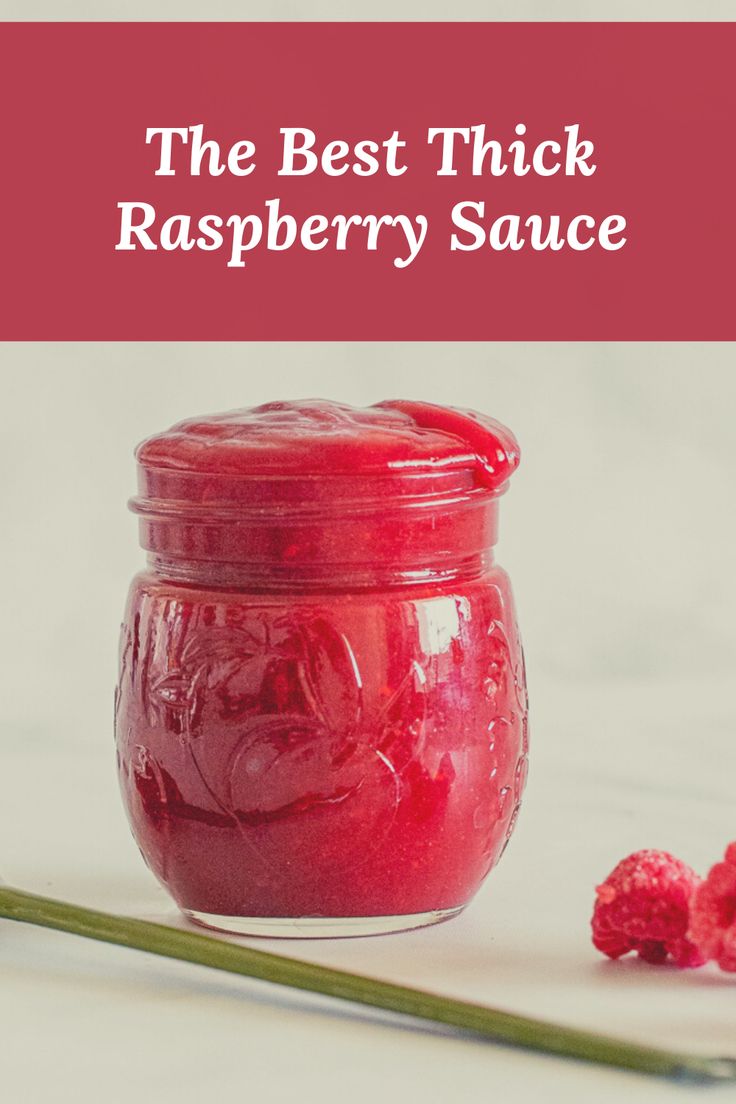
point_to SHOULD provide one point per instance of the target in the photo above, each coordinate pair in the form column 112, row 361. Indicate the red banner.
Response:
column 368, row 181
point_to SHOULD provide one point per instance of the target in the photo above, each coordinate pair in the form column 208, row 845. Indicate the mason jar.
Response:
column 321, row 714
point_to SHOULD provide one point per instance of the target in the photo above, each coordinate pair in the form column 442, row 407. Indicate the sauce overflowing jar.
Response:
column 321, row 714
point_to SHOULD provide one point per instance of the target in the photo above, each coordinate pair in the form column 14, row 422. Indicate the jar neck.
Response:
column 314, row 578
column 319, row 544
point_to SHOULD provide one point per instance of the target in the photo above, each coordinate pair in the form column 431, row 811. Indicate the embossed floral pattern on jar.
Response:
column 321, row 715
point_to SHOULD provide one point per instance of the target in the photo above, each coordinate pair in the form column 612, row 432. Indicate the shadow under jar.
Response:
column 321, row 715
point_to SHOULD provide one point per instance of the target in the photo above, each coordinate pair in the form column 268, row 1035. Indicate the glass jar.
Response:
column 321, row 715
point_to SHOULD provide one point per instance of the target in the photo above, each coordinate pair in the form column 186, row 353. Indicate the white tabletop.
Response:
column 614, row 768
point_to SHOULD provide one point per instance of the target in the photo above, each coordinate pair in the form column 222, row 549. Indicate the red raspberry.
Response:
column 643, row 906
column 713, row 913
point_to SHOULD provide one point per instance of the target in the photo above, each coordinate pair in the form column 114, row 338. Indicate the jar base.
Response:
column 319, row 927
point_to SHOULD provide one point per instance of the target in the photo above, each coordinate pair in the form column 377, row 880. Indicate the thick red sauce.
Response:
column 321, row 708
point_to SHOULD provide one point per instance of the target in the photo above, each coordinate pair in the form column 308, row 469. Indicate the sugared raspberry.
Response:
column 713, row 913
column 643, row 906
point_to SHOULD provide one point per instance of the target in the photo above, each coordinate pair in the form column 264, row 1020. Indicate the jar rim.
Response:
column 408, row 507
column 209, row 511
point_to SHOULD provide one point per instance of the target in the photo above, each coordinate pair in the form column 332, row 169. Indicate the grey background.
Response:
column 636, row 10
column 618, row 529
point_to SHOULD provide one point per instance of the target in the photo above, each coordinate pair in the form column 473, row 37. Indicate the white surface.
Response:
column 619, row 534
column 613, row 768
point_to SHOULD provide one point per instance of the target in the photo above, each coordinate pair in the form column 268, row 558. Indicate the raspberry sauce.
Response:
column 321, row 713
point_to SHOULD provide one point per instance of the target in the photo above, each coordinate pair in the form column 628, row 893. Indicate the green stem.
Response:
column 239, row 959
